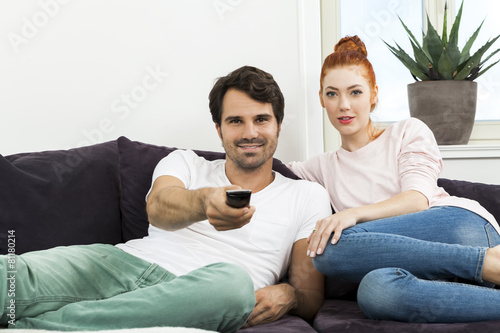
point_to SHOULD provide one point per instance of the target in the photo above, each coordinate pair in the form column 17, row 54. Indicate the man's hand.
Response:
column 272, row 302
column 221, row 215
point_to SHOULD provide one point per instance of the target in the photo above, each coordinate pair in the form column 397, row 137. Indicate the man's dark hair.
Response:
column 256, row 83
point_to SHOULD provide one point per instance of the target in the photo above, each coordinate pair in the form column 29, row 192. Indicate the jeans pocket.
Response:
column 492, row 234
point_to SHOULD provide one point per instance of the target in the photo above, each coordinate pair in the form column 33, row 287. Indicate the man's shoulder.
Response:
column 303, row 185
column 190, row 157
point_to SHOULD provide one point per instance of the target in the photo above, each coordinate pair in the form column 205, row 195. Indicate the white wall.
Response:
column 85, row 71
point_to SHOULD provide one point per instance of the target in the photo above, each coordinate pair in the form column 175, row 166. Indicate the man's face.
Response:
column 249, row 130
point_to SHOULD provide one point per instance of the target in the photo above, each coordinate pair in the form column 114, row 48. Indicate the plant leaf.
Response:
column 421, row 58
column 473, row 61
column 456, row 25
column 432, row 44
column 491, row 55
column 407, row 61
column 444, row 35
column 410, row 34
column 465, row 51
column 445, row 66
column 482, row 71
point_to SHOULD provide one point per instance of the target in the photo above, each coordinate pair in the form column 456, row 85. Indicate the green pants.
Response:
column 96, row 287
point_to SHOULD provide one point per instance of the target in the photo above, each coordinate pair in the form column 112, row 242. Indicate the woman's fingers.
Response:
column 319, row 237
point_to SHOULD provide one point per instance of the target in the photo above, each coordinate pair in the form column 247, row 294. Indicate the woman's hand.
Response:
column 324, row 228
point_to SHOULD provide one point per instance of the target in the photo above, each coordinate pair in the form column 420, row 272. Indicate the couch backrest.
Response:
column 60, row 197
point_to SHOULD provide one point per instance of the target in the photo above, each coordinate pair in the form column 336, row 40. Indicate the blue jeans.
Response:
column 404, row 264
column 97, row 287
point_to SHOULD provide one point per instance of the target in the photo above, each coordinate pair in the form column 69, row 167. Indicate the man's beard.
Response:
column 250, row 160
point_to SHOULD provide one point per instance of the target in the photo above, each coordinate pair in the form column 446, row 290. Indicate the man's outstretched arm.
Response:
column 302, row 296
column 171, row 206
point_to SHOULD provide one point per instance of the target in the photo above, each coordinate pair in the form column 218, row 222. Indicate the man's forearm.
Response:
column 174, row 208
column 307, row 303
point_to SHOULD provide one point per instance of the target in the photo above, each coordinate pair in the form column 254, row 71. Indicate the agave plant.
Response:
column 439, row 58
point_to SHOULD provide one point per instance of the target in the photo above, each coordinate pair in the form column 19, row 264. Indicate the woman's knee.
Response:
column 381, row 296
column 335, row 260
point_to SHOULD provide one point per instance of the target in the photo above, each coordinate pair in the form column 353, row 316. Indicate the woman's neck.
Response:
column 352, row 143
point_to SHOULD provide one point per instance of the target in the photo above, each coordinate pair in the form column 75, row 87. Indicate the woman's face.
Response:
column 348, row 100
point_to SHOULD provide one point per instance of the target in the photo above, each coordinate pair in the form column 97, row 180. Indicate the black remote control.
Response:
column 238, row 198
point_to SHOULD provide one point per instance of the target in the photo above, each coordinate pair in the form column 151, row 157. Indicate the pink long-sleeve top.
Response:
column 405, row 157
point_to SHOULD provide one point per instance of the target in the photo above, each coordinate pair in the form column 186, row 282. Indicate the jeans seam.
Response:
column 479, row 268
column 143, row 279
column 140, row 281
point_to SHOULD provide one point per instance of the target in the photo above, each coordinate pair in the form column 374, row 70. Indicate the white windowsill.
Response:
column 470, row 151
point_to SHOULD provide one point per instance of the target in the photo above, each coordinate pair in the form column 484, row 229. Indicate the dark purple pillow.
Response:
column 61, row 197
column 137, row 163
column 487, row 195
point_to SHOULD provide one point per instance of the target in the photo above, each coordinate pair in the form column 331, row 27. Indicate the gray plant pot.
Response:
column 448, row 107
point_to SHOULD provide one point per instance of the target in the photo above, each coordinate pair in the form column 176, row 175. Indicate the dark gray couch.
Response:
column 96, row 194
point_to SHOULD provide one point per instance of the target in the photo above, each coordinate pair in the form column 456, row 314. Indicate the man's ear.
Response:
column 217, row 127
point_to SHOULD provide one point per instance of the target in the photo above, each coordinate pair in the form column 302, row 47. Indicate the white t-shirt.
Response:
column 405, row 157
column 286, row 211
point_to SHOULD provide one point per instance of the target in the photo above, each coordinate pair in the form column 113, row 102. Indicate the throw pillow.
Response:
column 61, row 197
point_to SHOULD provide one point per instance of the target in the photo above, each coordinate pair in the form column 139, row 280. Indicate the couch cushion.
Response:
column 286, row 324
column 346, row 316
column 137, row 163
column 61, row 197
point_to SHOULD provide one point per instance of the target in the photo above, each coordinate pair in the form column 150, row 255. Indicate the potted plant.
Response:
column 445, row 94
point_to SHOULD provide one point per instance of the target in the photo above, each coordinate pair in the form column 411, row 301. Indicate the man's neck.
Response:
column 255, row 180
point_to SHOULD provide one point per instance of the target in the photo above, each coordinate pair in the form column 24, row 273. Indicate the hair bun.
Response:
column 351, row 44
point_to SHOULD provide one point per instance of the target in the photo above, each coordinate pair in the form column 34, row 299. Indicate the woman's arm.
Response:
column 403, row 203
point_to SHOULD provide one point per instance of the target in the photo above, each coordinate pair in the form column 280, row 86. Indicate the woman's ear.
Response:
column 374, row 98
column 321, row 99
column 375, row 95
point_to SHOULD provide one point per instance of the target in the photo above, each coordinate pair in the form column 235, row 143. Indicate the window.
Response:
column 488, row 99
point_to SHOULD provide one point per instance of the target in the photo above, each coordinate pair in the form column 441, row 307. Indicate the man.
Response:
column 204, row 264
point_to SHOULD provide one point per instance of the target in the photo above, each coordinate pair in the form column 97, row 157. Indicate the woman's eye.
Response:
column 357, row 92
column 330, row 94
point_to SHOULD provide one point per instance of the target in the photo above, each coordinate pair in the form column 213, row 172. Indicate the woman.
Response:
column 419, row 237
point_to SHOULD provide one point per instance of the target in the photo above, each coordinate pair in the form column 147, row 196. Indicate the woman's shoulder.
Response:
column 408, row 123
column 409, row 127
column 314, row 167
